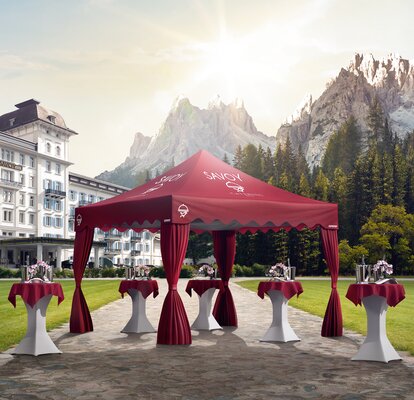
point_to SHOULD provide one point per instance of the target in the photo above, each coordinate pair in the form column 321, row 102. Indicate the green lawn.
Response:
column 315, row 296
column 13, row 321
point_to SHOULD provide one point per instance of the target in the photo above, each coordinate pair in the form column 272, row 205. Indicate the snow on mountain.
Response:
column 351, row 93
column 187, row 129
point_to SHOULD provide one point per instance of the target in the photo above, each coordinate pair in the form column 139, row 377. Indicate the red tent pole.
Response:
column 80, row 317
column 173, row 327
column 224, row 251
column 332, row 322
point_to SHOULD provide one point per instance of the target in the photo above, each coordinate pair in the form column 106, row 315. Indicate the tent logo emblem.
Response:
column 79, row 219
column 235, row 186
column 183, row 210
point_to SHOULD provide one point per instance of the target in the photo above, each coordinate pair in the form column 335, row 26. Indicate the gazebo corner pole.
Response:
column 173, row 327
column 224, row 252
column 332, row 322
column 80, row 317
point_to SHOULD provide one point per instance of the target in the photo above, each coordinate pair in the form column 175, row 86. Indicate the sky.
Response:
column 112, row 68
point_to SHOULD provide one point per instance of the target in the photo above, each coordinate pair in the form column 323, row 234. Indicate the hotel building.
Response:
column 38, row 196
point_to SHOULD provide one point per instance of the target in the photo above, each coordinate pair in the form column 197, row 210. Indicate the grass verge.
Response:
column 13, row 321
column 315, row 296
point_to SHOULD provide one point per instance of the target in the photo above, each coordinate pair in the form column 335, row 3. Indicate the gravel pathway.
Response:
column 227, row 364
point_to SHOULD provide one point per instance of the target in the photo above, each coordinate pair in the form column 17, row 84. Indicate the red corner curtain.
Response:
column 80, row 318
column 224, row 251
column 173, row 327
column 332, row 322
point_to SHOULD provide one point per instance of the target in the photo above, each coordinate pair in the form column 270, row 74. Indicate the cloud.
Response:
column 13, row 62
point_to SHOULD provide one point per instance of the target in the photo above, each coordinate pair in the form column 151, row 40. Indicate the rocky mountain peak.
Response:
column 351, row 93
column 219, row 129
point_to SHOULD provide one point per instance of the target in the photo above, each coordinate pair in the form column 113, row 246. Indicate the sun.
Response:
column 226, row 61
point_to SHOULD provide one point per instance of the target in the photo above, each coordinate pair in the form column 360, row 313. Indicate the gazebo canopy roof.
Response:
column 208, row 194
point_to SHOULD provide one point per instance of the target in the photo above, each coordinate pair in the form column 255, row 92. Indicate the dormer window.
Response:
column 58, row 150
column 12, row 121
column 51, row 118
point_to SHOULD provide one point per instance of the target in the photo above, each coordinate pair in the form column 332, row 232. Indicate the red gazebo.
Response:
column 203, row 193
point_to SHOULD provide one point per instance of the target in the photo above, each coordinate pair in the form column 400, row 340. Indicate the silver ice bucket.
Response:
column 292, row 273
column 129, row 273
column 25, row 273
column 362, row 273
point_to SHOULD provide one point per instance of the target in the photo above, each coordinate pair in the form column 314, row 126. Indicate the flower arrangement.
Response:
column 278, row 270
column 39, row 271
column 142, row 271
column 383, row 267
column 207, row 270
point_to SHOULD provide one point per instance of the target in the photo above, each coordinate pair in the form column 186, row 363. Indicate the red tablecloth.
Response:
column 288, row 288
column 394, row 293
column 32, row 292
column 146, row 287
column 201, row 285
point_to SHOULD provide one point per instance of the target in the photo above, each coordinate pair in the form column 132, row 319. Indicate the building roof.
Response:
column 29, row 111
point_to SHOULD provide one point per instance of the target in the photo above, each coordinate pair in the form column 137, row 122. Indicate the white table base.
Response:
column 376, row 346
column 37, row 341
column 139, row 322
column 205, row 319
column 280, row 329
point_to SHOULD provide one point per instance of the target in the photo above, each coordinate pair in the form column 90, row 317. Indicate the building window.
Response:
column 48, row 147
column 51, row 118
column 47, row 183
column 48, row 166
column 58, row 169
column 58, row 150
column 31, row 219
column 32, row 162
column 12, row 121
column 71, row 226
column 31, row 181
column 47, row 203
column 58, row 205
column 47, row 220
column 7, row 196
column 58, row 222
column 147, row 248
column 58, row 186
column 21, row 217
column 31, row 201
column 21, row 158
column 7, row 155
column 126, row 246
column 91, row 198
column 22, row 179
column 7, row 175
column 7, row 216
column 72, row 195
column 21, row 199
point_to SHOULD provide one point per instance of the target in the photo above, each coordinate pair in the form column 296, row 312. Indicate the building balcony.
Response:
column 10, row 184
column 135, row 238
column 55, row 194
column 84, row 203
column 113, row 235
column 110, row 252
column 135, row 253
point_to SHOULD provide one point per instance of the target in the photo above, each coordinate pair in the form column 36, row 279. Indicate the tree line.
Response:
column 370, row 177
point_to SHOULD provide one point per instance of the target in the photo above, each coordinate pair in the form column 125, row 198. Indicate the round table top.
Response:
column 145, row 286
column 31, row 293
column 288, row 288
column 393, row 292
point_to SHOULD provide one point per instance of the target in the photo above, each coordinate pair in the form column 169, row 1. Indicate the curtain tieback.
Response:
column 333, row 286
column 172, row 287
column 226, row 284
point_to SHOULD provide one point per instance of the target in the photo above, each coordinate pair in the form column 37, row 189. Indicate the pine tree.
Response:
column 321, row 187
column 238, row 157
column 399, row 177
column 226, row 158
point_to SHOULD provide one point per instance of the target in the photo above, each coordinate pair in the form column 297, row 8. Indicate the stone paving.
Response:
column 227, row 364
